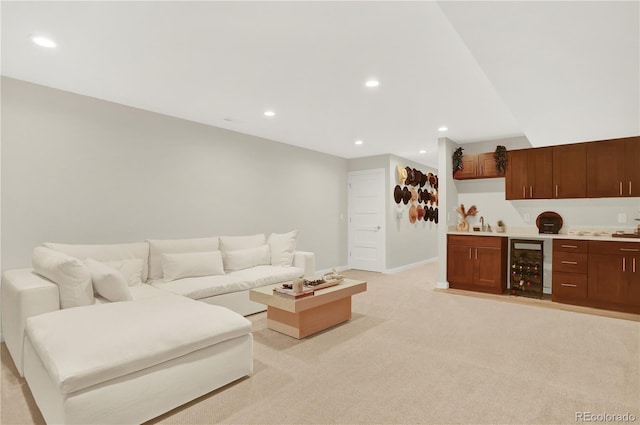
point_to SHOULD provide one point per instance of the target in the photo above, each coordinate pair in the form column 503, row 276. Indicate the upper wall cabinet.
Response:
column 478, row 166
column 570, row 171
column 529, row 174
column 613, row 168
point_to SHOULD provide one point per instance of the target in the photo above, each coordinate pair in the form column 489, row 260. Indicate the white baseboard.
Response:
column 442, row 285
column 409, row 266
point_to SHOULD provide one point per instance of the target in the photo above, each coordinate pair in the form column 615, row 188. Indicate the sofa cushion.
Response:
column 157, row 247
column 234, row 243
column 191, row 264
column 144, row 290
column 282, row 247
column 126, row 337
column 245, row 258
column 267, row 275
column 108, row 282
column 203, row 287
column 131, row 269
column 70, row 274
column 108, row 252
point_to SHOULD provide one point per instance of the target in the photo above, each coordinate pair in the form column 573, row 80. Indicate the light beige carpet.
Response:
column 414, row 355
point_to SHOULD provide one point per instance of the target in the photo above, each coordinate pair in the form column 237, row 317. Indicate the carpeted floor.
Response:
column 414, row 355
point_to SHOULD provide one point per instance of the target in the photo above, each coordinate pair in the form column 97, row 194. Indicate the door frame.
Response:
column 383, row 210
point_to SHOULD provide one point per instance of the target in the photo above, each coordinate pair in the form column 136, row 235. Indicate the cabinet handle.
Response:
column 469, row 253
column 524, row 194
column 476, row 253
column 634, row 265
column 629, row 188
column 530, row 191
column 630, row 249
column 624, row 264
column 570, row 262
column 569, row 284
column 570, row 246
column 620, row 188
column 556, row 191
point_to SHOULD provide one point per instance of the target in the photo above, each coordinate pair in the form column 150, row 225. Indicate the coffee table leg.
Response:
column 308, row 322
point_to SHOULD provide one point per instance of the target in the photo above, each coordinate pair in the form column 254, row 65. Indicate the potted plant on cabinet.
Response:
column 500, row 156
column 501, row 227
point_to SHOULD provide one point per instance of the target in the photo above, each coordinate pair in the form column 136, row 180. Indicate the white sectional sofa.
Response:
column 123, row 333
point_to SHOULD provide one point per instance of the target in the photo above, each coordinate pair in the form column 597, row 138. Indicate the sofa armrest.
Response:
column 306, row 261
column 24, row 294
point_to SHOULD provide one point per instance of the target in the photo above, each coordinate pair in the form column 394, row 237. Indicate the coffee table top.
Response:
column 347, row 288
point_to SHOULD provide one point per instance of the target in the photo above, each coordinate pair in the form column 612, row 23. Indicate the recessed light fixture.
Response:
column 423, row 151
column 359, row 142
column 443, row 128
column 372, row 83
column 43, row 41
column 269, row 113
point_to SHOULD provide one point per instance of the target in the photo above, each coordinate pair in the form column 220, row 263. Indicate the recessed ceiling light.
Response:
column 269, row 113
column 443, row 128
column 423, row 151
column 359, row 142
column 372, row 83
column 43, row 41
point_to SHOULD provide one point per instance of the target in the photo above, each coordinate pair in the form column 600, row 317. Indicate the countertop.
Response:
column 533, row 234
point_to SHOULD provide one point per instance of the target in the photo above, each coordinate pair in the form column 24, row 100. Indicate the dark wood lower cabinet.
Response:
column 614, row 276
column 598, row 274
column 477, row 263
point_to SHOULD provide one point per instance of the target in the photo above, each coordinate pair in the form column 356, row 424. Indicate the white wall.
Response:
column 80, row 170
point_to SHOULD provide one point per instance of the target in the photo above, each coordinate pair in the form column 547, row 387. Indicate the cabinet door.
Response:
column 632, row 166
column 516, row 180
column 540, row 173
column 606, row 169
column 469, row 168
column 487, row 165
column 488, row 269
column 608, row 278
column 570, row 171
column 460, row 265
column 634, row 281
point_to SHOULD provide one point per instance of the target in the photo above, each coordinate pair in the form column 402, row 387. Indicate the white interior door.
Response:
column 367, row 220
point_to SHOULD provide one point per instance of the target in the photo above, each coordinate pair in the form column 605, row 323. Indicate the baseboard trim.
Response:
column 409, row 266
column 442, row 285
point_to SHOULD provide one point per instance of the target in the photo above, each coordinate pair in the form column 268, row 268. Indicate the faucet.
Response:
column 481, row 223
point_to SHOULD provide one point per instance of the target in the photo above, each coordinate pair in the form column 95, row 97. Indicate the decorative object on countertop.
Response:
column 549, row 222
column 463, row 225
column 501, row 227
column 457, row 160
column 500, row 155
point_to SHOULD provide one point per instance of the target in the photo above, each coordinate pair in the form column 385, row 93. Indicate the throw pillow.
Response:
column 157, row 247
column 107, row 252
column 191, row 264
column 244, row 258
column 282, row 247
column 70, row 274
column 234, row 243
column 108, row 282
column 130, row 269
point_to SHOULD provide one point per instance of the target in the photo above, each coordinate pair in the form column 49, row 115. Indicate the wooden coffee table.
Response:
column 305, row 316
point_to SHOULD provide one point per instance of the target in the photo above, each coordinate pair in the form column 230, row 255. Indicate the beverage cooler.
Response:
column 526, row 268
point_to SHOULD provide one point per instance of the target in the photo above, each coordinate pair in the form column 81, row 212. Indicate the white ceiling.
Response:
column 557, row 72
